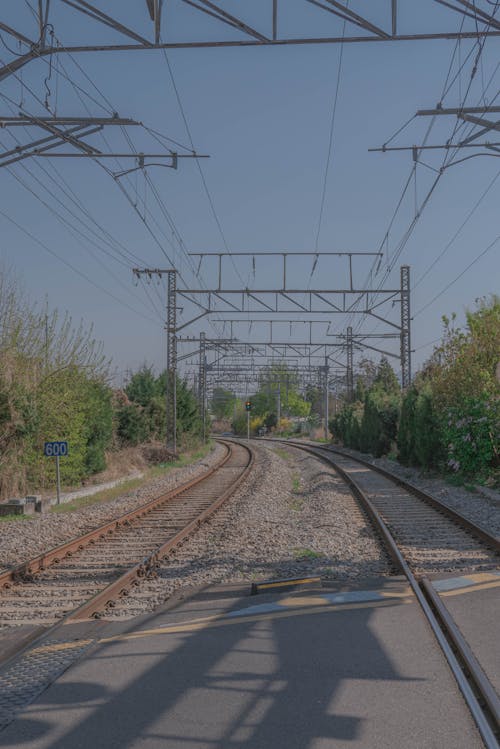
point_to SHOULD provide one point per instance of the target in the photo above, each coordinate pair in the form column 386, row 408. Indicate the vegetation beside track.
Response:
column 55, row 385
column 449, row 419
column 153, row 472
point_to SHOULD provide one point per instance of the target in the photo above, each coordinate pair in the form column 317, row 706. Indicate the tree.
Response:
column 279, row 382
column 53, row 385
column 143, row 417
column 466, row 392
column 222, row 403
column 143, row 386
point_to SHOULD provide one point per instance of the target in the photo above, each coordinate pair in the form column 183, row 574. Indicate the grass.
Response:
column 307, row 554
column 8, row 518
column 106, row 495
column 297, row 503
column 282, row 453
column 462, row 482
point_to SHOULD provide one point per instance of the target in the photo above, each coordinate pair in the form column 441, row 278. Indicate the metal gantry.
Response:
column 335, row 21
column 285, row 299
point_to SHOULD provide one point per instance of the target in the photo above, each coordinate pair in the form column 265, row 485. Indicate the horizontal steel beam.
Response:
column 456, row 110
column 246, row 292
column 26, row 121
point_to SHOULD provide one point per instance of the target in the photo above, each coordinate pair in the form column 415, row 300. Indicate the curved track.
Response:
column 432, row 537
column 81, row 578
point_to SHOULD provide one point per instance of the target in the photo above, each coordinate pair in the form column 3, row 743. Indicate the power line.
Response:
column 330, row 140
column 73, row 267
column 449, row 285
column 464, row 222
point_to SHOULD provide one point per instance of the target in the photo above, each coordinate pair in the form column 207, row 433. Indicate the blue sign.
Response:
column 55, row 449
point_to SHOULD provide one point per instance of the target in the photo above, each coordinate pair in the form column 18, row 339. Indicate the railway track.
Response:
column 426, row 537
column 432, row 537
column 83, row 577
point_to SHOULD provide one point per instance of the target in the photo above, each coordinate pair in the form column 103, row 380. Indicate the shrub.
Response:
column 472, row 434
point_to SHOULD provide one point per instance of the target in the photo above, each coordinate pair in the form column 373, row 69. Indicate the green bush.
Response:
column 132, row 425
column 428, row 436
column 472, row 434
column 406, row 431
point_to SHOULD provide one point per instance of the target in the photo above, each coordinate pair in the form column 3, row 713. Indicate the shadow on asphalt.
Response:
column 252, row 684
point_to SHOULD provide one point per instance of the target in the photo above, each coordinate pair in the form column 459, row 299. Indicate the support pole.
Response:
column 202, row 384
column 326, row 398
column 171, row 393
column 58, row 480
column 279, row 407
column 349, row 372
column 405, row 328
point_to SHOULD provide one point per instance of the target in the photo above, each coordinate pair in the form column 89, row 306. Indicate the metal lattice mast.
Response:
column 405, row 327
column 171, row 390
column 202, row 383
column 171, row 373
column 326, row 372
column 350, row 365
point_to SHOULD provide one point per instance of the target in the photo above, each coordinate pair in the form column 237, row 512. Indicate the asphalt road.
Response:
column 318, row 669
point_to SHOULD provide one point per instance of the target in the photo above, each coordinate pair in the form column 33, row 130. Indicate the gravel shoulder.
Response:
column 293, row 516
column 21, row 540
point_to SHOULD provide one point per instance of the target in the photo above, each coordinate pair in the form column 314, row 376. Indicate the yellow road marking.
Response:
column 483, row 577
column 470, row 589
column 322, row 601
column 56, row 647
column 287, row 583
column 303, row 601
column 199, row 624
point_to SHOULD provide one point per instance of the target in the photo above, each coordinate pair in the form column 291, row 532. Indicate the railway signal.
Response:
column 248, row 408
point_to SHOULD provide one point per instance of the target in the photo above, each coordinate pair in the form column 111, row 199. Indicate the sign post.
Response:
column 55, row 450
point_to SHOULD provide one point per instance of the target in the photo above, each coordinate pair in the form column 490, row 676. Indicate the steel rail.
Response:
column 106, row 597
column 119, row 586
column 441, row 633
column 488, row 693
column 53, row 556
column 475, row 528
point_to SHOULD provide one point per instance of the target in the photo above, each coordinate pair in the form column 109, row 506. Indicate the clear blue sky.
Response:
column 264, row 116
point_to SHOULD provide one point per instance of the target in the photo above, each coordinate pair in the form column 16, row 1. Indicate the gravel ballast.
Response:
column 483, row 509
column 292, row 517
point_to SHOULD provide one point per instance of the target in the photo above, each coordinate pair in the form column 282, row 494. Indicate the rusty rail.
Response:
column 44, row 560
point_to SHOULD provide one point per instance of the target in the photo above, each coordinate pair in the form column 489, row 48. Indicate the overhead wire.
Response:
column 75, row 230
column 330, row 139
column 406, row 236
column 200, row 169
column 418, row 212
column 73, row 267
column 458, row 231
column 458, row 277
column 37, row 98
